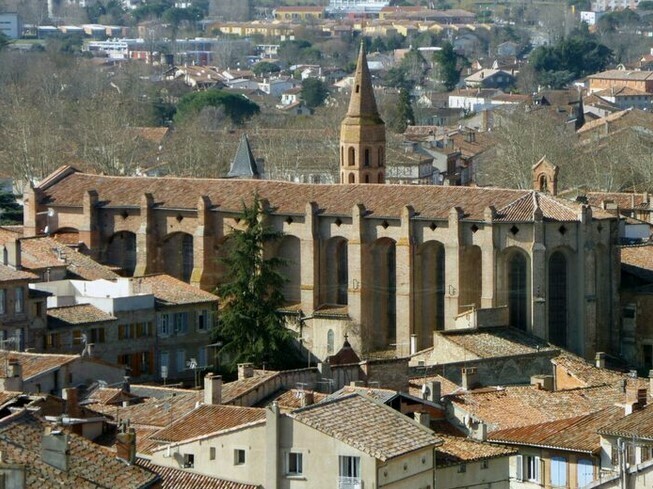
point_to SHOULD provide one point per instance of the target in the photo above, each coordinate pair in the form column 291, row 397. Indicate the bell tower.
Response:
column 362, row 132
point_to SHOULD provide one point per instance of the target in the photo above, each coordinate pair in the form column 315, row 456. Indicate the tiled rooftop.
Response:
column 431, row 201
column 367, row 425
column 639, row 424
column 169, row 291
column 457, row 448
column 381, row 395
column 41, row 253
column 622, row 75
column 589, row 375
column 34, row 364
column 8, row 274
column 577, row 434
column 638, row 260
column 76, row 315
column 446, row 386
column 292, row 399
column 511, row 407
column 182, row 479
column 89, row 466
column 625, row 200
column 208, row 419
column 231, row 391
column 494, row 342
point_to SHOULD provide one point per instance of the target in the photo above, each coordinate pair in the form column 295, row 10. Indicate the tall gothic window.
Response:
column 187, row 257
column 517, row 291
column 352, row 156
column 558, row 299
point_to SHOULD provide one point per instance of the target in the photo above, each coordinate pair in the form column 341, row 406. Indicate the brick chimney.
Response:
column 469, row 378
column 213, row 389
column 600, row 359
column 245, row 370
column 126, row 444
column 72, row 402
column 307, row 398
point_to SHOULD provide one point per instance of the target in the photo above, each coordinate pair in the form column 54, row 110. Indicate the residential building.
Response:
column 637, row 80
column 625, row 98
column 490, row 78
column 299, row 14
column 356, row 6
column 146, row 323
column 263, row 446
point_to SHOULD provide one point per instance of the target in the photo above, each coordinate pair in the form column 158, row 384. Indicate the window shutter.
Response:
column 519, row 468
column 538, row 469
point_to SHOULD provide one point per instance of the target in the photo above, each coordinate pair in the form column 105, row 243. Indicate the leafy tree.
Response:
column 237, row 108
column 578, row 55
column 645, row 5
column 377, row 45
column 250, row 324
column 314, row 92
column 4, row 40
column 263, row 67
column 447, row 60
column 396, row 77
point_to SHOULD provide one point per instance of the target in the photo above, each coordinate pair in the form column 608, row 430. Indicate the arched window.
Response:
column 367, row 179
column 367, row 156
column 187, row 254
column 517, row 290
column 330, row 342
column 381, row 178
column 380, row 157
column 558, row 299
column 352, row 178
column 543, row 183
column 342, row 156
column 352, row 156
column 358, row 88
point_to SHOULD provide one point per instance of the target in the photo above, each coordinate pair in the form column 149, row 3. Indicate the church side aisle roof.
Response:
column 429, row 201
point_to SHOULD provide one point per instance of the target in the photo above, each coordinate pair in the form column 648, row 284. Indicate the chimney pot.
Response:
column 72, row 402
column 469, row 378
column 245, row 370
column 308, row 398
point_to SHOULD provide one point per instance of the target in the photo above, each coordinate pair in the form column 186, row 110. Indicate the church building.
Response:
column 385, row 264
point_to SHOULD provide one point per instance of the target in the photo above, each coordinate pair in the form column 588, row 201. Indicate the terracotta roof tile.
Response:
column 458, row 449
column 208, row 419
column 292, row 399
column 89, row 465
column 589, row 375
column 42, row 253
column 446, row 386
column 170, row 291
column 232, row 391
column 639, row 424
column 577, row 434
column 499, row 341
column 181, row 479
column 512, row 407
column 431, row 201
column 34, row 364
column 622, row 75
column 8, row 274
column 367, row 425
column 625, row 200
column 80, row 314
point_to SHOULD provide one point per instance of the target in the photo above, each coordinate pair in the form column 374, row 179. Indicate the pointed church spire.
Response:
column 362, row 132
column 362, row 103
column 244, row 164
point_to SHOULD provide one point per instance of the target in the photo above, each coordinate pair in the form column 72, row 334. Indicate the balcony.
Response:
column 350, row 483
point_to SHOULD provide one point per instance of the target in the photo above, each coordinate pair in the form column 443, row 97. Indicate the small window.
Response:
column 3, row 301
column 164, row 324
column 239, row 456
column 294, row 463
column 19, row 296
column 189, row 460
column 533, row 469
column 485, row 464
column 212, row 453
column 462, row 468
column 358, row 88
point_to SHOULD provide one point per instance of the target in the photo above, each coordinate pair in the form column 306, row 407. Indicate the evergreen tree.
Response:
column 250, row 325
column 314, row 92
column 11, row 212
column 447, row 60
